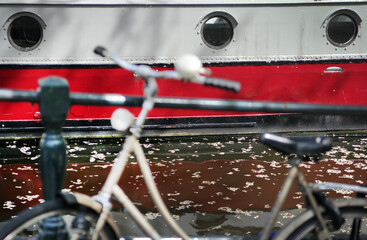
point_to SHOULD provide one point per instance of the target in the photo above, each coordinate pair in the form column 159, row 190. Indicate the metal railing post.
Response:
column 54, row 105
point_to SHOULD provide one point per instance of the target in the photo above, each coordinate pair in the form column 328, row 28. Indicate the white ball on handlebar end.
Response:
column 188, row 66
column 121, row 119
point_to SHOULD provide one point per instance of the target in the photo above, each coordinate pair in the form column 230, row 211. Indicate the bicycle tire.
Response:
column 304, row 226
column 26, row 225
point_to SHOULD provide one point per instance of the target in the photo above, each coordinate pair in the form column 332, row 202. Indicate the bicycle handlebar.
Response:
column 221, row 83
column 146, row 72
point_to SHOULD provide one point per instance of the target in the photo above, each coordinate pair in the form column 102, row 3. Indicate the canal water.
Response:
column 213, row 185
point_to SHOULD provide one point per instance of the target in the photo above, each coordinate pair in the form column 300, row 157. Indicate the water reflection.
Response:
column 208, row 182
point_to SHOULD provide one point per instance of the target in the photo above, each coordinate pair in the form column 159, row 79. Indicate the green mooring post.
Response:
column 54, row 105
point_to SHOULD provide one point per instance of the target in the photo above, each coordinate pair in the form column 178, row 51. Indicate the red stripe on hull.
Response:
column 304, row 83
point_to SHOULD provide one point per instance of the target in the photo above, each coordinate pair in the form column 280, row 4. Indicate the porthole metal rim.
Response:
column 17, row 15
column 229, row 18
column 353, row 16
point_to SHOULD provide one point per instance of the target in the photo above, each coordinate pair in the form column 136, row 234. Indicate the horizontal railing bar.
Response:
column 105, row 100
column 18, row 95
column 185, row 103
column 259, row 106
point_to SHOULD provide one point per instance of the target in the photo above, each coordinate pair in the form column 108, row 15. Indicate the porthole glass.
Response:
column 217, row 32
column 341, row 30
column 25, row 33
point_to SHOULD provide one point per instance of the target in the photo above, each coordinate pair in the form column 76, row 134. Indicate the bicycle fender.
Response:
column 69, row 198
column 309, row 214
column 88, row 202
column 330, row 209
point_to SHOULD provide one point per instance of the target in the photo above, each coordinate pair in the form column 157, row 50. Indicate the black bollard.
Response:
column 54, row 105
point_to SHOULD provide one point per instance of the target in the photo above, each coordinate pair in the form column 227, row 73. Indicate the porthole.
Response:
column 342, row 28
column 217, row 30
column 25, row 31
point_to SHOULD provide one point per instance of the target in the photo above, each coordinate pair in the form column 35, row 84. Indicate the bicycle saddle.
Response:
column 299, row 145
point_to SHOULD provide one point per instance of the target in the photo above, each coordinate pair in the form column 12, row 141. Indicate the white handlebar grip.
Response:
column 121, row 119
column 188, row 66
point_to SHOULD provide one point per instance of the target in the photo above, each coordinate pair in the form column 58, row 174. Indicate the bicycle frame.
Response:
column 132, row 145
column 293, row 175
column 332, row 185
column 111, row 187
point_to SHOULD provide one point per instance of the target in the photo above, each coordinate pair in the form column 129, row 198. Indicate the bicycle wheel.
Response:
column 30, row 224
column 306, row 225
